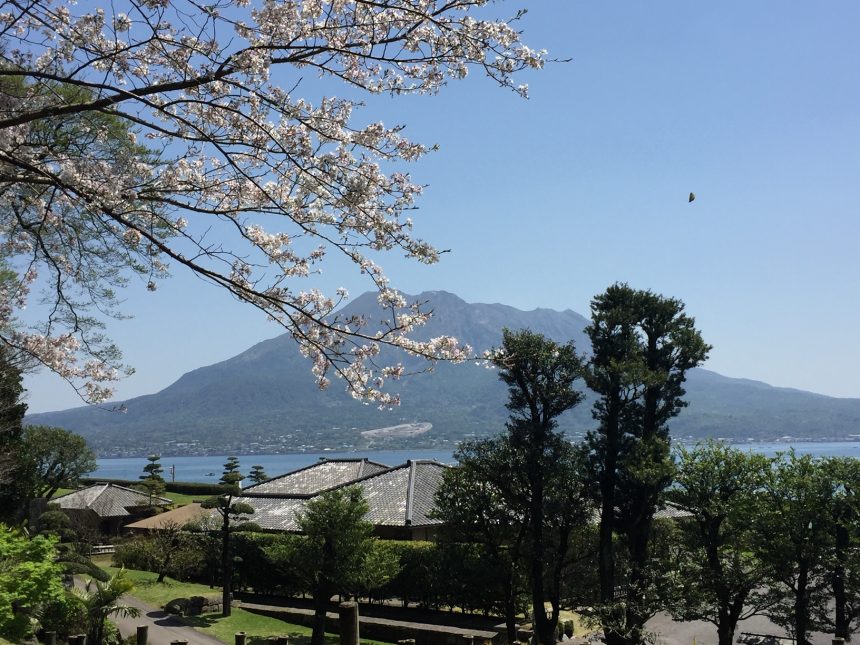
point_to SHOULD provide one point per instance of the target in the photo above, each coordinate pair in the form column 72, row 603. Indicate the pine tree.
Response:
column 258, row 475
column 152, row 479
column 232, row 476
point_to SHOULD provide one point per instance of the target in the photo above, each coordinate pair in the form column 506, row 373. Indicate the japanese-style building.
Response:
column 400, row 498
column 107, row 508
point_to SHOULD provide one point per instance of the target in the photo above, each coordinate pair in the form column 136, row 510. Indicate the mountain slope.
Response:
column 264, row 399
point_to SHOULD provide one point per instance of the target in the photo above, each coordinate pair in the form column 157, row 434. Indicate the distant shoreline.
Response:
column 208, row 468
column 220, row 452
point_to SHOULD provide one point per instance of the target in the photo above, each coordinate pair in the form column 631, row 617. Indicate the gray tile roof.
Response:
column 672, row 512
column 403, row 495
column 317, row 477
column 107, row 500
column 426, row 481
column 399, row 496
column 275, row 513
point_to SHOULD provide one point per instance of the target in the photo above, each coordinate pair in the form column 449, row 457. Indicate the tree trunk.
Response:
column 728, row 617
column 510, row 606
column 322, row 596
column 801, row 607
column 544, row 626
column 725, row 631
column 841, row 621
column 606, row 554
column 162, row 569
column 226, row 569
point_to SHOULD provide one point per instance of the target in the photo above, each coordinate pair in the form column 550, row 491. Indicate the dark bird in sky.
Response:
column 692, row 197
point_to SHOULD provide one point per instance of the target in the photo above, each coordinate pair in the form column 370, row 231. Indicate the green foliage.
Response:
column 152, row 481
column 258, row 474
column 843, row 562
column 153, row 469
column 232, row 513
column 722, row 577
column 337, row 539
column 12, row 410
column 643, row 345
column 56, row 522
column 135, row 553
column 29, row 578
column 72, row 551
column 269, row 562
column 167, row 551
column 231, row 475
column 228, row 506
column 533, row 471
column 75, row 563
column 794, row 539
column 101, row 601
column 54, row 458
column 65, row 615
column 338, row 552
column 539, row 374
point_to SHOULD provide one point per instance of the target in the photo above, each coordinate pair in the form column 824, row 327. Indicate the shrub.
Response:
column 145, row 553
column 65, row 615
column 137, row 553
column 269, row 562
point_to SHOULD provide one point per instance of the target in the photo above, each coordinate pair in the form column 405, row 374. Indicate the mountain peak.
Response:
column 265, row 399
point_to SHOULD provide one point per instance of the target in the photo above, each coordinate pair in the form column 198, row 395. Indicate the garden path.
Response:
column 164, row 628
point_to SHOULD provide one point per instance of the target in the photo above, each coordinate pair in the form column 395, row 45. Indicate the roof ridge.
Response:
column 410, row 487
column 132, row 490
column 363, row 478
column 319, row 462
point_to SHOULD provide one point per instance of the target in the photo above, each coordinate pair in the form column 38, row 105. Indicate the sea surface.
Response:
column 209, row 468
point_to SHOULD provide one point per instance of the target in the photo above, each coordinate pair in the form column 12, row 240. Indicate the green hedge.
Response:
column 431, row 575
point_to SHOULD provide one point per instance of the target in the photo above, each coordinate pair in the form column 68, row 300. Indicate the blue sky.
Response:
column 754, row 106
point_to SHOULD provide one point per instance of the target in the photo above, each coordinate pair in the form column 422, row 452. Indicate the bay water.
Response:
column 209, row 468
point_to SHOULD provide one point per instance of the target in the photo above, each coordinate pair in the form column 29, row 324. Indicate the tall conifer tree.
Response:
column 643, row 344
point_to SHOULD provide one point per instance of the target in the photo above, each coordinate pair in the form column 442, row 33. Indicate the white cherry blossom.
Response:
column 137, row 138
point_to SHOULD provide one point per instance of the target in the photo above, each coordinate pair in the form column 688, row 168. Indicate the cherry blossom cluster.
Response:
column 147, row 134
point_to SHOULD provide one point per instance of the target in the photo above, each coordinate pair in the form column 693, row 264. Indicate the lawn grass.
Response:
column 160, row 593
column 181, row 499
column 62, row 491
column 258, row 628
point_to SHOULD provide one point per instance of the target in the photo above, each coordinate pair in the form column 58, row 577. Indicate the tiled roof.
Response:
column 182, row 515
column 275, row 513
column 403, row 495
column 317, row 477
column 107, row 500
column 399, row 496
column 672, row 512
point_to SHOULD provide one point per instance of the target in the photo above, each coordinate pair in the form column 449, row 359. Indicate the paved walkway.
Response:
column 164, row 628
column 670, row 632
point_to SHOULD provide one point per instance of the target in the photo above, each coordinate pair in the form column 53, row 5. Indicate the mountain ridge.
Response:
column 265, row 398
